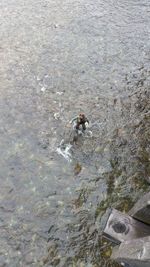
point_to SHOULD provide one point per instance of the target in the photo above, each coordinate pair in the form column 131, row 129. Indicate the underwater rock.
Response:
column 77, row 169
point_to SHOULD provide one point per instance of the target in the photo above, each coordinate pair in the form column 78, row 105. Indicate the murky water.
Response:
column 59, row 58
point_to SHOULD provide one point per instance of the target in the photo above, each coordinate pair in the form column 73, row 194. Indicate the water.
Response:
column 59, row 58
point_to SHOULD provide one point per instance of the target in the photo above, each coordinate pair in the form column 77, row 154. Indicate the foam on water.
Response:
column 64, row 150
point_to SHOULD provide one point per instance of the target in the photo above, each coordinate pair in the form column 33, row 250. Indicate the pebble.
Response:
column 43, row 89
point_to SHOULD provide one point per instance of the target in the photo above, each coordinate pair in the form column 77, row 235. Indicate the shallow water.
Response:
column 59, row 58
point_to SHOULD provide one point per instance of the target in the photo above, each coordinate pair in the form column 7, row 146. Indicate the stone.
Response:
column 141, row 210
column 121, row 227
column 133, row 253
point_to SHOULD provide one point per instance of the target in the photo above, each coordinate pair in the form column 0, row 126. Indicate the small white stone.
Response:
column 20, row 209
column 56, row 115
column 43, row 89
column 59, row 93
column 60, row 203
column 33, row 189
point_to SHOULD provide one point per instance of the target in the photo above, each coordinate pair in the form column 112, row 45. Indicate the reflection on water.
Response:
column 59, row 59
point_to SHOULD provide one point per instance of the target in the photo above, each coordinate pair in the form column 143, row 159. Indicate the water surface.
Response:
column 59, row 58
